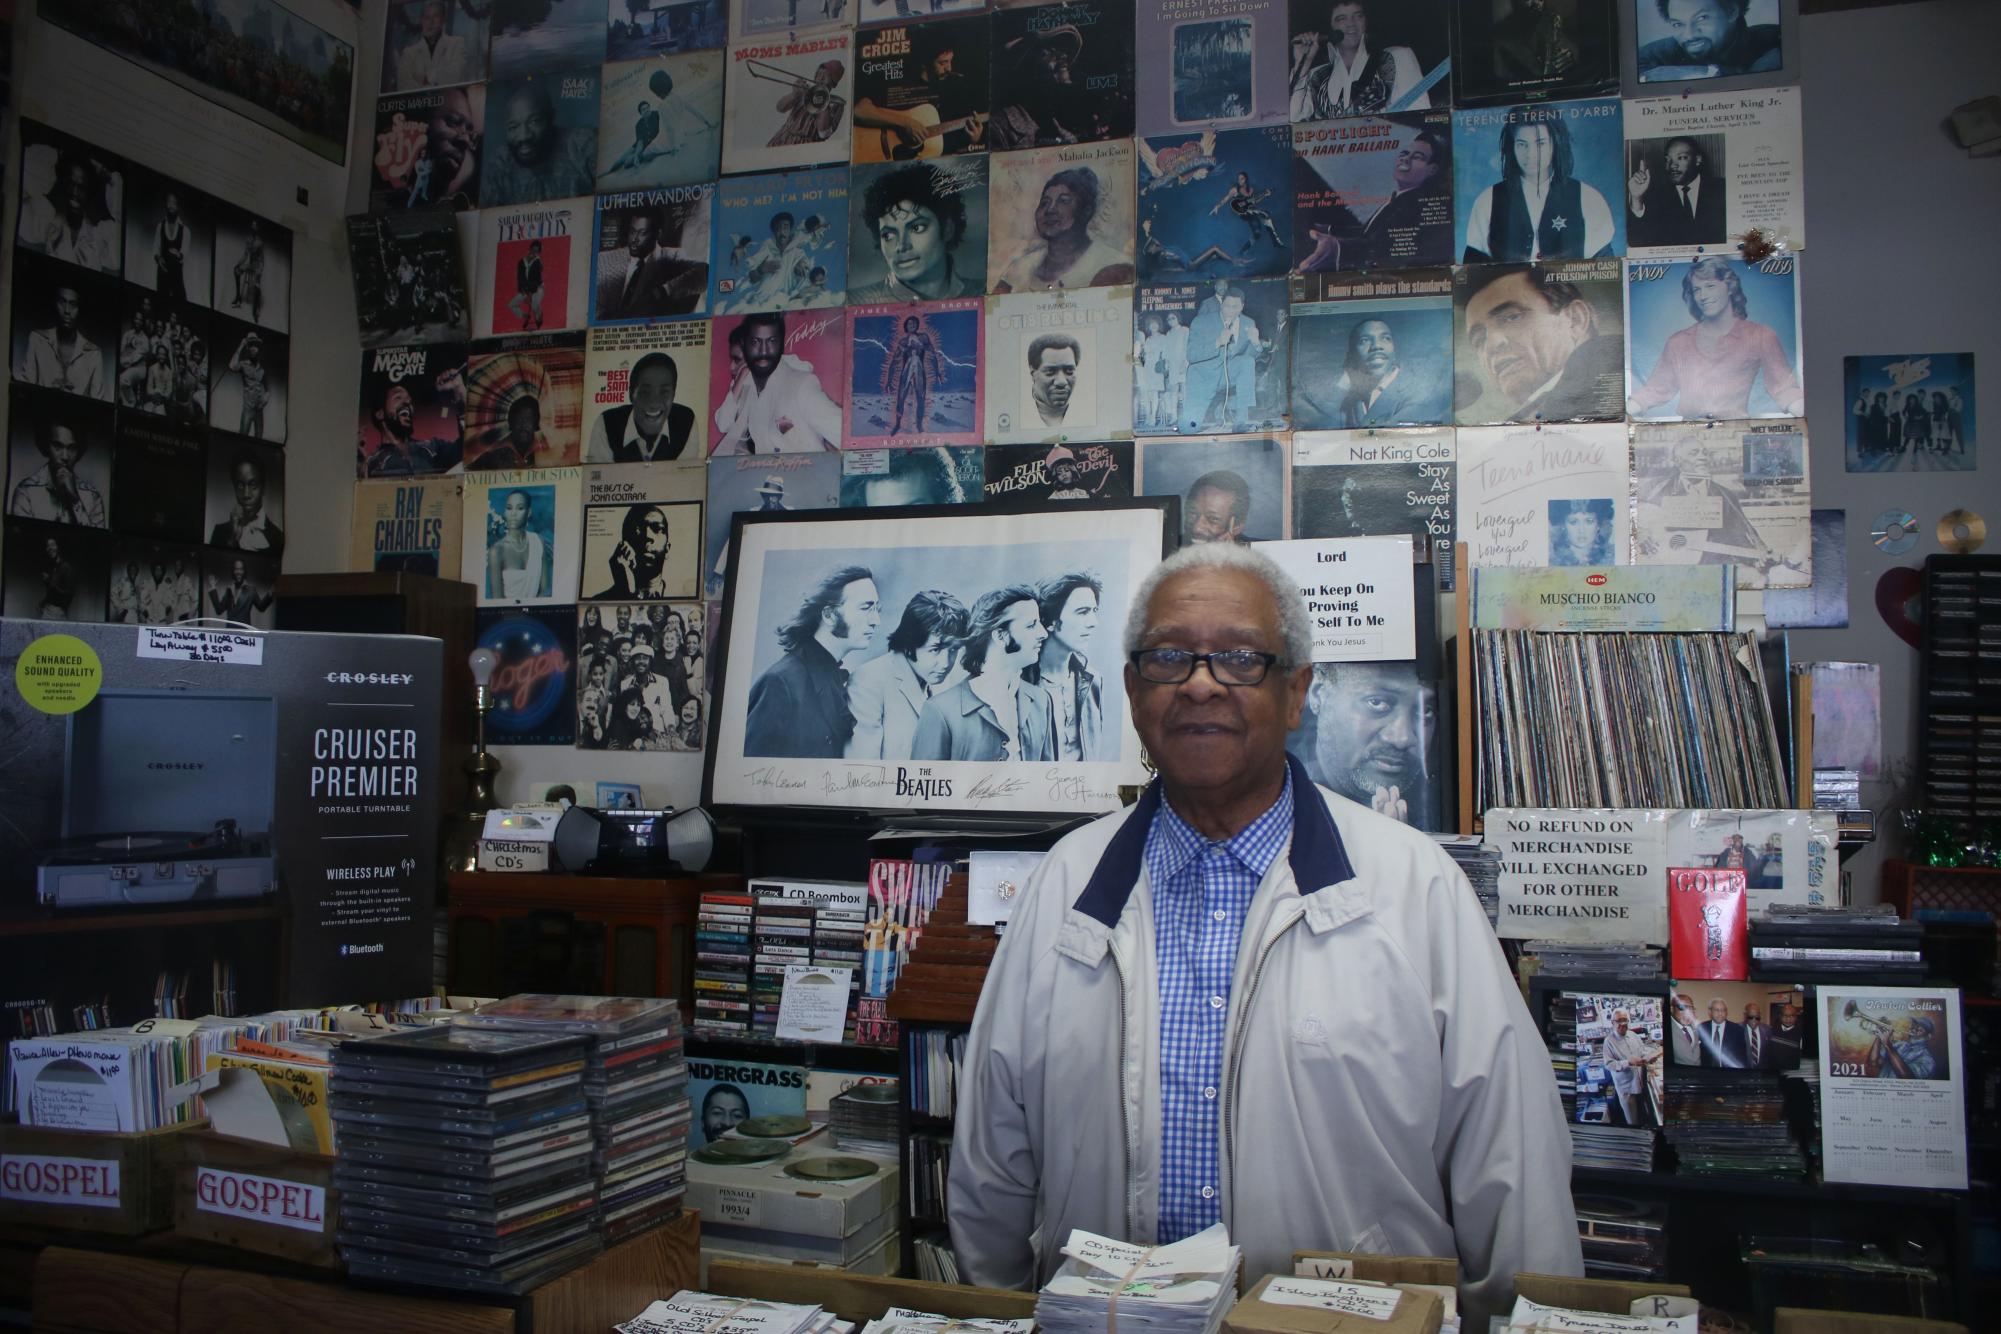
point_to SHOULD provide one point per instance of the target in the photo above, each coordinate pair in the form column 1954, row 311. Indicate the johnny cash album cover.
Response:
column 521, row 542
column 1367, row 58
column 1715, row 337
column 413, row 400
column 786, row 102
column 1705, row 168
column 1374, row 192
column 58, row 458
column 534, row 267
column 652, row 258
column 1378, row 484
column 1062, row 74
column 1233, row 488
column 778, row 381
column 918, row 231
column 921, row 89
column 530, row 36
column 748, row 484
column 781, row 242
column 1057, row 474
column 1211, row 356
column 914, row 374
column 1061, row 217
column 541, row 137
column 1538, row 342
column 668, row 27
column 426, row 44
column 1210, row 64
column 661, row 122
column 1568, row 153
column 524, row 402
column 1372, row 349
column 409, row 278
column 646, row 392
column 642, row 532
column 410, row 526
column 1215, row 202
column 427, row 149
column 1059, row 366
column 1518, row 50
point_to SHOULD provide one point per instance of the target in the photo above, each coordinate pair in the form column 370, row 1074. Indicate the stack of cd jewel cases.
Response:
column 463, row 1158
column 1481, row 865
column 865, row 1117
column 636, row 1083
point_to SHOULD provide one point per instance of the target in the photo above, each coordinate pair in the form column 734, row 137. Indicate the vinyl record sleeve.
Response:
column 524, row 402
column 1396, row 58
column 642, row 532
column 541, row 137
column 787, row 102
column 1736, row 155
column 1217, row 202
column 1061, row 217
column 1228, row 373
column 660, row 122
column 915, row 374
column 781, row 242
column 1572, row 149
column 1058, row 474
column 1378, row 483
column 623, row 373
column 750, row 482
column 1232, row 487
column 1373, row 193
column 1062, row 74
column 1552, row 494
column 534, row 268
column 1090, row 398
column 1213, row 64
column 918, row 231
column 1725, row 494
column 798, row 408
column 521, row 543
column 1518, row 50
column 1716, row 337
column 412, row 406
column 652, row 254
column 409, row 279
column 921, row 89
column 1546, row 365
column 428, row 149
column 1372, row 350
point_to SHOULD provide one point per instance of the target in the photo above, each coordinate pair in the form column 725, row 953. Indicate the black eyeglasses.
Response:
column 1230, row 666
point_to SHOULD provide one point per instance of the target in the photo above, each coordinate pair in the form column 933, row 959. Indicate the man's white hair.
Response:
column 1285, row 593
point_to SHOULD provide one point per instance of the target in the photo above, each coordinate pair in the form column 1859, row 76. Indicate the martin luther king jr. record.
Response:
column 1372, row 192
column 1210, row 64
column 921, row 89
column 1062, row 74
column 1705, row 168
column 1519, row 50
column 781, row 242
column 427, row 149
column 1367, row 58
column 1215, row 203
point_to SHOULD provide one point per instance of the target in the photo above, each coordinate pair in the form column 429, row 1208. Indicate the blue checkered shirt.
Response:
column 1201, row 894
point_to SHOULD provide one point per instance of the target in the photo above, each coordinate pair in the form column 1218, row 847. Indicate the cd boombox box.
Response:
column 167, row 798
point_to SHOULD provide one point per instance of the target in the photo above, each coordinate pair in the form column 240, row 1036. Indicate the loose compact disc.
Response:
column 774, row 1127
column 831, row 1169
column 1895, row 531
column 740, row 1151
column 1962, row 532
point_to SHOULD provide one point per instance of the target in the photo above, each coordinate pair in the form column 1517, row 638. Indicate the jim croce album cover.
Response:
column 918, row 231
column 1061, row 218
column 524, row 402
column 781, row 242
column 642, row 532
column 534, row 267
column 1518, row 50
column 646, row 392
column 786, row 102
column 778, row 382
column 1705, row 168
column 1372, row 349
column 427, row 149
column 1374, row 192
column 412, row 410
column 915, row 374
column 1716, row 337
column 1567, row 154
column 1539, row 342
column 1059, row 366
column 1062, row 74
column 1367, row 58
column 1211, row 356
column 1215, row 202
column 652, row 258
column 661, row 122
column 1060, row 474
column 541, row 137
column 409, row 278
column 921, row 89
column 1216, row 64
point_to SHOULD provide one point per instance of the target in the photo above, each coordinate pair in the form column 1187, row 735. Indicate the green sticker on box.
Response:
column 58, row 674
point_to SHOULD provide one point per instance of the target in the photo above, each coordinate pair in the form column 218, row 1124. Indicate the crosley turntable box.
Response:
column 172, row 765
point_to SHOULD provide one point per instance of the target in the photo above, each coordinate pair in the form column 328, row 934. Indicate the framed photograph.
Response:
column 932, row 659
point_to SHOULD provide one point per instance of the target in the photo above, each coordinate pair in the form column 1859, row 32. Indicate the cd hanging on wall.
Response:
column 1895, row 531
column 1962, row 532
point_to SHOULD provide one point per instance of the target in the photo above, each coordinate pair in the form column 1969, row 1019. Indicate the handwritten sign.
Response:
column 1371, row 1303
column 92, row 1182
column 1359, row 595
column 814, row 1004
column 176, row 644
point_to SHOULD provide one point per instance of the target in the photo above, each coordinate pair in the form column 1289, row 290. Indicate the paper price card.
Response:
column 1362, row 1299
column 178, row 645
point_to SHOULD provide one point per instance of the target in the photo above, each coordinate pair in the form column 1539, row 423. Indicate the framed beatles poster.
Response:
column 931, row 659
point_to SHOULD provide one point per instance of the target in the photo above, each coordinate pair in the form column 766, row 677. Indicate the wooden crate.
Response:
column 855, row 1297
column 1442, row 1271
column 113, row 1183
column 1606, row 1295
column 257, row 1197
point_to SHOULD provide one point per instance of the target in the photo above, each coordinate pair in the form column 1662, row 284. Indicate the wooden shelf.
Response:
column 157, row 919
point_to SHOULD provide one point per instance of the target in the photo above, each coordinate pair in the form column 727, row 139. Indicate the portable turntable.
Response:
column 167, row 798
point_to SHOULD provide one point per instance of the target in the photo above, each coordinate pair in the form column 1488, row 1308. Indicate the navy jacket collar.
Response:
column 1317, row 856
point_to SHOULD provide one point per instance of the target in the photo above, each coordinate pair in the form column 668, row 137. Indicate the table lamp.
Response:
column 462, row 829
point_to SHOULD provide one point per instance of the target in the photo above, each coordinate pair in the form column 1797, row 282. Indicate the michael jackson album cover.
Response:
column 918, row 231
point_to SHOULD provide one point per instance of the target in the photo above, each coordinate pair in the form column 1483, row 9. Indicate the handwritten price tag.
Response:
column 174, row 644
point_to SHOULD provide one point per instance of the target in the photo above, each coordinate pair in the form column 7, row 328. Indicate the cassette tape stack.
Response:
column 636, row 1085
column 465, row 1158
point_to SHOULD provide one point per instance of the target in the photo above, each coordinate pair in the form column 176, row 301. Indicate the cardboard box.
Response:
column 257, row 1197
column 1399, row 1311
column 1606, row 1295
column 880, row 1260
column 1443, row 1271
column 88, row 1181
column 1793, row 1320
column 760, row 1208
column 859, row 1298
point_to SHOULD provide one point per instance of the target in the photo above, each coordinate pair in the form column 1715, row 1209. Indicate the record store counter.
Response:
column 160, row 1284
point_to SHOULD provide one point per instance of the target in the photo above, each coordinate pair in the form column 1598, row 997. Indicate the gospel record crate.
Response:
column 256, row 1197
column 89, row 1181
